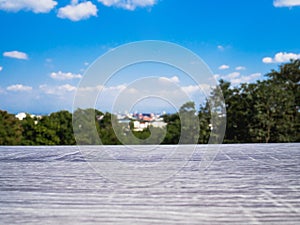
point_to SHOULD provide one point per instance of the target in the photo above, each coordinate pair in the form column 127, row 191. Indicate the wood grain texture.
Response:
column 245, row 184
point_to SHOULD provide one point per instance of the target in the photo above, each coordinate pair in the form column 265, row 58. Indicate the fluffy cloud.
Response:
column 67, row 87
column 16, row 55
column 57, row 90
column 240, row 68
column 76, row 12
column 286, row 3
column 114, row 88
column 128, row 4
column 37, row 6
column 197, row 93
column 236, row 78
column 102, row 88
column 223, row 67
column 195, row 89
column 1, row 68
column 281, row 57
column 174, row 79
column 267, row 60
column 18, row 87
column 190, row 89
column 245, row 79
column 90, row 89
column 233, row 75
column 64, row 76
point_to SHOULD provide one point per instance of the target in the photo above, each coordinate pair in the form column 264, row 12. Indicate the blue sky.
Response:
column 46, row 45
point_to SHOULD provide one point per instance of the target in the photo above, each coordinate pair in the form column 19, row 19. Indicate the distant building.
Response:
column 140, row 126
column 21, row 115
column 142, row 121
column 159, row 124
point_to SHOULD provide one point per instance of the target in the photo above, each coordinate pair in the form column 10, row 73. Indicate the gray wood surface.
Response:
column 245, row 184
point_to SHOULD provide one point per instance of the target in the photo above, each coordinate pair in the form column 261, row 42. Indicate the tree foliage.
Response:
column 266, row 111
column 10, row 129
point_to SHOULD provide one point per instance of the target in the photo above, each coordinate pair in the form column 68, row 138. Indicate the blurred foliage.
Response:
column 10, row 129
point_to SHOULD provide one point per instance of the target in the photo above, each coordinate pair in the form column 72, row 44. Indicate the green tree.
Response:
column 29, row 130
column 239, row 111
column 55, row 129
column 273, row 113
column 106, row 130
column 45, row 133
column 85, row 127
column 288, row 80
column 204, row 123
column 189, row 123
column 173, row 129
column 217, row 109
column 10, row 129
column 61, row 123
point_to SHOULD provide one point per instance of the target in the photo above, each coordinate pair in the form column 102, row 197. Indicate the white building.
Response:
column 158, row 124
column 21, row 115
column 140, row 126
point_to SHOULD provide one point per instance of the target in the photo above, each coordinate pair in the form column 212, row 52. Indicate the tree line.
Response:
column 261, row 112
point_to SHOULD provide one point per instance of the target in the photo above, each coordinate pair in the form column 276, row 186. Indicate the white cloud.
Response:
column 57, row 90
column 98, row 88
column 173, row 79
column 37, row 6
column 245, row 79
column 128, row 4
column 190, row 89
column 19, row 87
column 67, row 87
column 65, row 76
column 281, row 57
column 1, row 68
column 236, row 78
column 240, row 68
column 233, row 75
column 197, row 93
column 91, row 88
column 286, row 3
column 220, row 47
column 267, row 60
column 223, row 67
column 76, row 12
column 216, row 76
column 105, row 95
column 16, row 55
column 285, row 57
column 114, row 88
